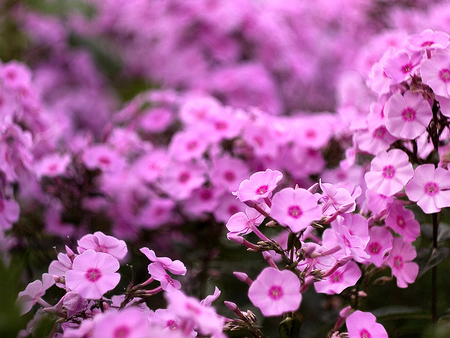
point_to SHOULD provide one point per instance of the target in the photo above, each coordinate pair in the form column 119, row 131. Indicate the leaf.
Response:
column 290, row 327
column 437, row 256
column 396, row 310
column 443, row 233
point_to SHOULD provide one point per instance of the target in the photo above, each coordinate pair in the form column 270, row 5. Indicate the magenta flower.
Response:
column 129, row 323
column 364, row 325
column 402, row 221
column 436, row 73
column 93, row 273
column 429, row 188
column 9, row 213
column 401, row 65
column 275, row 292
column 399, row 260
column 379, row 245
column 295, row 208
column 259, row 186
column 339, row 280
column 389, row 172
column 102, row 243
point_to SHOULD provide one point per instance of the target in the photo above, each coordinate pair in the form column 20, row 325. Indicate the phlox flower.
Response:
column 402, row 221
column 63, row 263
column 158, row 272
column 374, row 139
column 363, row 325
column 399, row 260
column 242, row 223
column 407, row 116
column 93, row 273
column 176, row 267
column 228, row 206
column 9, row 213
column 389, row 172
column 102, row 243
column 295, row 208
column 228, row 172
column 102, row 157
column 204, row 319
column 259, row 186
column 429, row 188
column 33, row 292
column 379, row 245
column 187, row 145
column 436, row 73
column 401, row 65
column 428, row 39
column 275, row 292
column 339, row 280
column 335, row 197
column 130, row 322
column 52, row 165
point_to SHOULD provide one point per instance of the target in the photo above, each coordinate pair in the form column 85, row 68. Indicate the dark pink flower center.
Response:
column 121, row 332
column 311, row 133
column 171, row 324
column 221, row 125
column 184, row 177
column 365, row 334
column 191, row 145
column 232, row 209
column 52, row 168
column 407, row 68
column 398, row 262
column 294, row 211
column 427, row 43
column 275, row 292
column 431, row 188
column 193, row 309
column 444, row 75
column 388, row 171
column 11, row 75
column 379, row 132
column 104, row 160
column 400, row 222
column 409, row 114
column 374, row 248
column 336, row 277
column 229, row 176
column 205, row 195
column 262, row 190
column 93, row 275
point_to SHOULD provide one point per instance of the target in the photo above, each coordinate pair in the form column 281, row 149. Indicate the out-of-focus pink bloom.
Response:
column 228, row 206
column 426, row 40
column 188, row 145
column 130, row 322
column 377, row 203
column 363, row 325
column 399, row 260
column 402, row 221
column 389, row 172
column 9, row 213
column 15, row 75
column 156, row 120
column 259, row 186
column 33, row 292
column 295, row 208
column 100, row 242
column 202, row 200
column 407, row 116
column 339, row 280
column 379, row 245
column 102, row 157
column 430, row 188
column 93, row 273
column 176, row 267
column 228, row 172
column 275, row 292
column 149, row 167
column 52, row 165
column 156, row 213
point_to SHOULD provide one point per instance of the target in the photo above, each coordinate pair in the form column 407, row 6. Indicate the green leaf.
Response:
column 396, row 311
column 437, row 256
column 290, row 327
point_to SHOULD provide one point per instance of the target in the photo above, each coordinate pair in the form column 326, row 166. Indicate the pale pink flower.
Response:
column 93, row 273
column 187, row 145
column 429, row 188
column 379, row 245
column 130, row 322
column 259, row 186
column 228, row 172
column 158, row 272
column 275, row 292
column 436, row 73
column 428, row 39
column 102, row 157
column 295, row 208
column 363, row 325
column 33, row 292
column 374, row 140
column 52, row 165
column 102, row 243
column 407, row 116
column 243, row 223
column 339, row 280
column 399, row 260
column 179, row 180
column 9, row 213
column 389, row 172
column 176, row 267
column 401, row 65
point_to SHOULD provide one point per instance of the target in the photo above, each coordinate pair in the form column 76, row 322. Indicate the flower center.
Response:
column 121, row 332
column 104, row 160
column 431, row 188
column 400, row 222
column 191, row 145
column 375, row 248
column 336, row 277
column 311, row 133
column 93, row 275
column 295, row 211
column 364, row 334
column 262, row 190
column 444, row 75
column 379, row 132
column 407, row 68
column 221, row 125
column 398, row 262
column 171, row 324
column 409, row 114
column 275, row 292
column 427, row 43
column 184, row 177
column 205, row 195
column 229, row 176
column 388, row 171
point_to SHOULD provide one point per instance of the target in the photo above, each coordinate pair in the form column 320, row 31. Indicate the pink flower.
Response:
column 242, row 223
column 407, row 116
column 295, row 208
column 429, row 188
column 389, row 172
column 428, row 39
column 33, row 292
column 158, row 272
column 402, row 221
column 9, row 213
column 102, row 157
column 176, row 267
column 339, row 280
column 259, row 186
column 52, row 165
column 188, row 145
column 129, row 323
column 102, row 243
column 228, row 172
column 436, row 73
column 363, row 325
column 93, row 274
column 379, row 245
column 399, row 260
column 275, row 292
column 401, row 65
